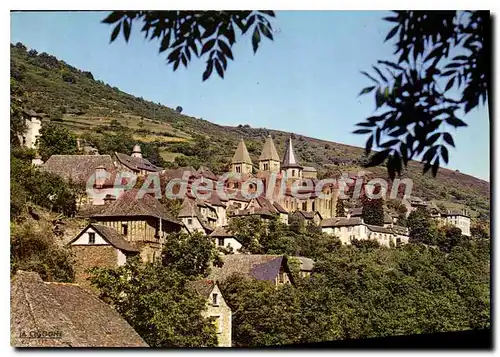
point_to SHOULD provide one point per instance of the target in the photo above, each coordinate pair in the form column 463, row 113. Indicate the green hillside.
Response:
column 94, row 109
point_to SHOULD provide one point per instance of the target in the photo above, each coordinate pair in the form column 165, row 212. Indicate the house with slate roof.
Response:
column 99, row 246
column 135, row 163
column 225, row 239
column 216, row 309
column 272, row 268
column 44, row 314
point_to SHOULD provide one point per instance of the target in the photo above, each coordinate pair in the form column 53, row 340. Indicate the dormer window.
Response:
column 91, row 238
column 190, row 221
column 215, row 299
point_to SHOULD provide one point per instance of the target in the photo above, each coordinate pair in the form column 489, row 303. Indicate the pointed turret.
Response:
column 136, row 151
column 290, row 165
column 241, row 161
column 269, row 159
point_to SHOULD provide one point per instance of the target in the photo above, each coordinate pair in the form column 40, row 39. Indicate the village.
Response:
column 122, row 224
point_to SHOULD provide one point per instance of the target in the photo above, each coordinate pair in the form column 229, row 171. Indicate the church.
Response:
column 293, row 173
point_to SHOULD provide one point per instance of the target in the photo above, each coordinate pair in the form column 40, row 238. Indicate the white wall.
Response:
column 231, row 242
column 84, row 238
column 195, row 225
column 122, row 258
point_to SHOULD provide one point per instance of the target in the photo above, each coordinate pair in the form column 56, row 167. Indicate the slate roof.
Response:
column 306, row 264
column 269, row 150
column 379, row 229
column 454, row 213
column 78, row 168
column 400, row 230
column 306, row 214
column 260, row 267
column 130, row 205
column 355, row 212
column 341, row 222
column 241, row 155
column 81, row 318
column 111, row 236
column 202, row 287
column 190, row 209
column 221, row 232
column 309, row 169
column 289, row 158
column 137, row 163
column 279, row 208
column 206, row 172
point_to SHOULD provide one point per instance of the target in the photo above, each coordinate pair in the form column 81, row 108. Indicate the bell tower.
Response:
column 269, row 159
column 241, row 162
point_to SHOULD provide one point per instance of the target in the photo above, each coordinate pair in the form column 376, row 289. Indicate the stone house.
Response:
column 459, row 219
column 190, row 214
column 44, row 314
column 217, row 310
column 142, row 220
column 99, row 246
column 272, row 268
column 309, row 217
column 222, row 238
column 135, row 163
column 79, row 169
column 33, row 122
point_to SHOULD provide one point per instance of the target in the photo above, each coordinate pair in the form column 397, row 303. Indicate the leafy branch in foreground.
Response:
column 420, row 112
column 198, row 33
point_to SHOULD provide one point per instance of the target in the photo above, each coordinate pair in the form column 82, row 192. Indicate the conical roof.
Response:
column 269, row 150
column 289, row 159
column 241, row 155
column 136, row 148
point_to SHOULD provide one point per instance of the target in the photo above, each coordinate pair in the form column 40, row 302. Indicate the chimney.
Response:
column 100, row 176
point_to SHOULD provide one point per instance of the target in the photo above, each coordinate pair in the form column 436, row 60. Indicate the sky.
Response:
column 306, row 81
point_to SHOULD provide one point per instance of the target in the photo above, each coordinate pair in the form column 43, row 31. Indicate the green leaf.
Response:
column 392, row 65
column 255, row 40
column 378, row 158
column 435, row 53
column 452, row 120
column 113, row 17
column 225, row 49
column 448, row 139
column 126, row 29
column 366, row 90
column 444, row 154
column 392, row 18
column 367, row 124
column 207, row 46
column 115, row 33
column 435, row 167
column 389, row 143
column 391, row 34
column 209, row 30
column 219, row 69
column 362, row 131
column 208, row 70
column 369, row 144
column 432, row 139
column 265, row 31
column 165, row 42
column 373, row 79
column 380, row 74
column 450, row 83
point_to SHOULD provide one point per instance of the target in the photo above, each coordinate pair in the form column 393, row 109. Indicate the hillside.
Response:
column 91, row 108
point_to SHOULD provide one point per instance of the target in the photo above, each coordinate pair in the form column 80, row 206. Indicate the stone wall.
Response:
column 85, row 257
column 223, row 312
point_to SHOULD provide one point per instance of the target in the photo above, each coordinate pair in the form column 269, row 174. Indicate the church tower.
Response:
column 241, row 162
column 136, row 151
column 290, row 165
column 269, row 159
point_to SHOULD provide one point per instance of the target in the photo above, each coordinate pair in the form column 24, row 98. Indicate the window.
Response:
column 313, row 206
column 286, row 204
column 266, row 166
column 304, row 206
column 215, row 299
column 91, row 238
column 124, row 229
column 293, row 173
column 190, row 221
column 238, row 169
column 220, row 241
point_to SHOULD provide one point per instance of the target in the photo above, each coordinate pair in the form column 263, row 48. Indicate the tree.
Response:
column 422, row 228
column 178, row 109
column 190, row 254
column 183, row 33
column 420, row 112
column 340, row 209
column 155, row 301
column 449, row 237
column 55, row 140
column 373, row 211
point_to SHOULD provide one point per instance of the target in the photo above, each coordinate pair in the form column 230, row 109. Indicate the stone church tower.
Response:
column 290, row 165
column 269, row 159
column 241, row 162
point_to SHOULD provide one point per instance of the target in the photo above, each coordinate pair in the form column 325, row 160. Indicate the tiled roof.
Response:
column 221, row 232
column 206, row 172
column 111, row 236
column 269, row 150
column 306, row 214
column 81, row 318
column 78, row 168
column 137, row 163
column 279, row 208
column 260, row 267
column 241, row 155
column 309, row 169
column 306, row 264
column 379, row 229
column 130, row 205
column 341, row 222
column 356, row 212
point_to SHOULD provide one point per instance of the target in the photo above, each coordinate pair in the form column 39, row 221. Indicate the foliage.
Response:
column 422, row 227
column 419, row 111
column 190, row 254
column 373, row 211
column 154, row 300
column 55, row 140
column 182, row 33
column 28, row 184
column 340, row 209
column 33, row 249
